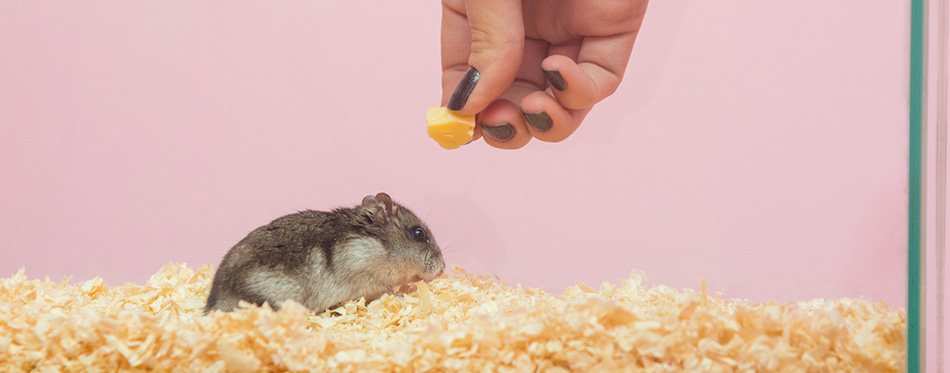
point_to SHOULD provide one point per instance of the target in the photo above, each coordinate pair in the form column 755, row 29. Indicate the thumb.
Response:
column 482, row 70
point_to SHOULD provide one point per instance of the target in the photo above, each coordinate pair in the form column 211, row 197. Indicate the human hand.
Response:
column 499, row 56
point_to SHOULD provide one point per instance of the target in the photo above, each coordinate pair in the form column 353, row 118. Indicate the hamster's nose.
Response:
column 437, row 261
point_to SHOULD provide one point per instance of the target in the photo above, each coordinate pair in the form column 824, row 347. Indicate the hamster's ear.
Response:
column 385, row 209
column 387, row 202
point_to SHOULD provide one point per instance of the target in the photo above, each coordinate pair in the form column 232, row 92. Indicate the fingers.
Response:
column 554, row 114
column 503, row 126
column 502, row 122
column 548, row 120
column 490, row 69
column 527, row 108
column 482, row 47
column 601, row 62
column 539, row 115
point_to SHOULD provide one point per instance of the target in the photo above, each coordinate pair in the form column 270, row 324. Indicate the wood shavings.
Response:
column 460, row 322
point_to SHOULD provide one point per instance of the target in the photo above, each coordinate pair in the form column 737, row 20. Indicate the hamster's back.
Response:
column 282, row 246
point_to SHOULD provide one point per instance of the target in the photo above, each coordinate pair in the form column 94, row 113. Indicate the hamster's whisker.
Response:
column 447, row 249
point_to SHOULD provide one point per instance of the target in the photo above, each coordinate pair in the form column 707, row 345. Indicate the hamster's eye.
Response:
column 418, row 234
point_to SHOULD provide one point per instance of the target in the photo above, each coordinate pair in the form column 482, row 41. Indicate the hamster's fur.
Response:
column 321, row 259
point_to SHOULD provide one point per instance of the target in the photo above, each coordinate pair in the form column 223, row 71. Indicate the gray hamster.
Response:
column 321, row 259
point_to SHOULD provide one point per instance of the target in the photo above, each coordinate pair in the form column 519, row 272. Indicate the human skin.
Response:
column 534, row 68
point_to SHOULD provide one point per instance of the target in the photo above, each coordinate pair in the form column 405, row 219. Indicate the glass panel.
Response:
column 933, row 321
column 914, row 273
column 758, row 150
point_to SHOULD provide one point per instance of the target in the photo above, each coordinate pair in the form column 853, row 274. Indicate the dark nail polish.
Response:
column 555, row 78
column 463, row 89
column 500, row 132
column 540, row 120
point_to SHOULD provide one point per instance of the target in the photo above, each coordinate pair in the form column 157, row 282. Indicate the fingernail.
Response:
column 540, row 120
column 555, row 78
column 500, row 132
column 463, row 89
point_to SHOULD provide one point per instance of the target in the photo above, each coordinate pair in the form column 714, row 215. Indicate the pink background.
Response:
column 761, row 145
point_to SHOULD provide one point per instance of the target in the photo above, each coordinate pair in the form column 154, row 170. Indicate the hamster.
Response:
column 321, row 259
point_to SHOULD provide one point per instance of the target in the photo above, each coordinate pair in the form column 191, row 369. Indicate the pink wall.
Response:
column 759, row 145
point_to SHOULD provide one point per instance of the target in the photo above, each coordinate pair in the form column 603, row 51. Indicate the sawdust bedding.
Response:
column 460, row 322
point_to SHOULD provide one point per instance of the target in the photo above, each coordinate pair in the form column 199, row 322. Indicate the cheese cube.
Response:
column 449, row 129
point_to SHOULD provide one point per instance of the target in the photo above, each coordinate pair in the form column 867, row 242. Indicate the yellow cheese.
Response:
column 449, row 129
